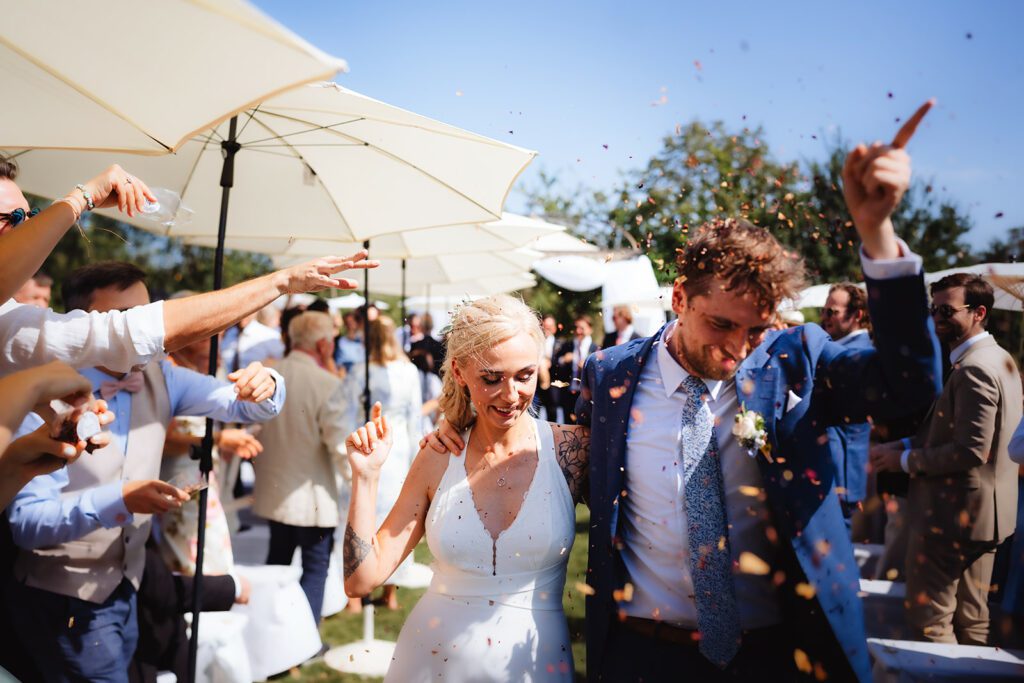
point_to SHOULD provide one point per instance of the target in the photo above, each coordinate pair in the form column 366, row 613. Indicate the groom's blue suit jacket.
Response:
column 836, row 384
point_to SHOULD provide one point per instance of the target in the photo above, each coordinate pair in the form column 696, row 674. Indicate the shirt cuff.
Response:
column 907, row 443
column 277, row 400
column 905, row 265
column 109, row 506
column 146, row 325
column 904, row 460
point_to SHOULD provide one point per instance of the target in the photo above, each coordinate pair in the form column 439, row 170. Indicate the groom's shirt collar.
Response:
column 672, row 373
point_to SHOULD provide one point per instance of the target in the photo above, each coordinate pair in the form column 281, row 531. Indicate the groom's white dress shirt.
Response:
column 654, row 521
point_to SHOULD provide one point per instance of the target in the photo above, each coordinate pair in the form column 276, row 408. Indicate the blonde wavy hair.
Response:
column 475, row 327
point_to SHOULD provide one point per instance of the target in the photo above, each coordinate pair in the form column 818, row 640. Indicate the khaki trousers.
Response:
column 948, row 584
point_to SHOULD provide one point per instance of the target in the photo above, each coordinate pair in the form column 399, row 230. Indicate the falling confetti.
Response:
column 749, row 563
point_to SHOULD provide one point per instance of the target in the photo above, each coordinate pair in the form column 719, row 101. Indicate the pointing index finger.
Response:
column 907, row 131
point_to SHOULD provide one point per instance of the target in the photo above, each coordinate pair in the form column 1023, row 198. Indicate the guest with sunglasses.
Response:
column 845, row 318
column 962, row 500
column 119, row 340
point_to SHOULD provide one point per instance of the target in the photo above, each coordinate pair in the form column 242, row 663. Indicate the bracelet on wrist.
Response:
column 88, row 196
column 72, row 205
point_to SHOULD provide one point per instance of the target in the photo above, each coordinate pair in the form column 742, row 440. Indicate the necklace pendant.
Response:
column 501, row 482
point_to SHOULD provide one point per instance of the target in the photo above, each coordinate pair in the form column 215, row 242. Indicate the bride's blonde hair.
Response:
column 475, row 327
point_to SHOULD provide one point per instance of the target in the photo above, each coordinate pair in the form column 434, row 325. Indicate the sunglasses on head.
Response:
column 18, row 216
column 945, row 311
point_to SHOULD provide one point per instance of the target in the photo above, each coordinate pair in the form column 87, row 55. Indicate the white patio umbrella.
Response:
column 128, row 77
column 319, row 162
column 111, row 77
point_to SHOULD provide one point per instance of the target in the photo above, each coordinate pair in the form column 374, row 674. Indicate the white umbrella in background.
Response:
column 141, row 78
column 111, row 77
column 318, row 162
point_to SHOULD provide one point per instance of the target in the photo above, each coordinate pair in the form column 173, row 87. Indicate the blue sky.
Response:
column 568, row 78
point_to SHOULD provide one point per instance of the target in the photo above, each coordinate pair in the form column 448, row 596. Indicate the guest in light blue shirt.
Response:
column 82, row 529
column 41, row 517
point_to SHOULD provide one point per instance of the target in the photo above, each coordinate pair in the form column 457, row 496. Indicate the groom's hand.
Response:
column 875, row 179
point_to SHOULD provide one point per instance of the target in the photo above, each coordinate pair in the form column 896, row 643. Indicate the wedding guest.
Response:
column 497, row 516
column 845, row 317
column 427, row 353
column 120, row 340
column 36, row 291
column 547, row 393
column 622, row 319
column 571, row 356
column 297, row 474
column 394, row 382
column 251, row 341
column 82, row 529
column 349, row 347
column 962, row 500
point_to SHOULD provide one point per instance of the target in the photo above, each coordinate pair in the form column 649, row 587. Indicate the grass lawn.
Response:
column 345, row 628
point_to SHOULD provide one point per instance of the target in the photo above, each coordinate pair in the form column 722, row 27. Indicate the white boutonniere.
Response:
column 748, row 428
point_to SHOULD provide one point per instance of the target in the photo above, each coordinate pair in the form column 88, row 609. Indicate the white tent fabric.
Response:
column 319, row 162
column 509, row 233
column 562, row 243
column 631, row 282
column 576, row 273
column 201, row 62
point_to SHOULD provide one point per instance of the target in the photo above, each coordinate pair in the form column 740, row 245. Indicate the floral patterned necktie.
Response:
column 718, row 618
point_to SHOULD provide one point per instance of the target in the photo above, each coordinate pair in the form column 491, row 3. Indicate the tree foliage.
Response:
column 704, row 172
column 170, row 265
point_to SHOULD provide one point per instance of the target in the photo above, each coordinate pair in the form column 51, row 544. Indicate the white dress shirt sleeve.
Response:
column 905, row 265
column 31, row 336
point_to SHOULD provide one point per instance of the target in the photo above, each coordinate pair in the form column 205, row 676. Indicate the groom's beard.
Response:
column 701, row 361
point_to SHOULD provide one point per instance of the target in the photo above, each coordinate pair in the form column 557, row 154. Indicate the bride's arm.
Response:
column 572, row 448
column 369, row 559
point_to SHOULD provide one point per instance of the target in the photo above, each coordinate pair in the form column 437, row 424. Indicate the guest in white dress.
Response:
column 498, row 517
column 395, row 383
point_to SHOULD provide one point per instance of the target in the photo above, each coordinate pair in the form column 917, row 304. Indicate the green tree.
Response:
column 1008, row 250
column 170, row 265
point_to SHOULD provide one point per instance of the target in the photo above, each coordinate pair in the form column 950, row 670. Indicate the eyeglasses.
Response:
column 827, row 313
column 945, row 311
column 18, row 216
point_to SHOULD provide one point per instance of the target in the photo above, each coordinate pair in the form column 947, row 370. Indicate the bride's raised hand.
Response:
column 368, row 446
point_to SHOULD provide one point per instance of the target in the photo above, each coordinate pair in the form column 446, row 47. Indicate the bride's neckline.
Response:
column 519, row 512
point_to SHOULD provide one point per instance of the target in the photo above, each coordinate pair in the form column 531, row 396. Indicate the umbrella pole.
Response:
column 408, row 336
column 227, row 180
column 366, row 338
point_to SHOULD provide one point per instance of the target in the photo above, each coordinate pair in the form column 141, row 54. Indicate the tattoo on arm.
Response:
column 355, row 551
column 573, row 454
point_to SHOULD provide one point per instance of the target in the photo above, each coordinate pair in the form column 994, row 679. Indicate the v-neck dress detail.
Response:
column 493, row 611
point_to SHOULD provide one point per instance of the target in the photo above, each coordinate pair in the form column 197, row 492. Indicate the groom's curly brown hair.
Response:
column 745, row 257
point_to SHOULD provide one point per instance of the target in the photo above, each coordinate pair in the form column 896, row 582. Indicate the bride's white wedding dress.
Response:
column 493, row 611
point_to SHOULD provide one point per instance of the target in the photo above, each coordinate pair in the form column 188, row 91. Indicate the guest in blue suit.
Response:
column 718, row 548
column 845, row 318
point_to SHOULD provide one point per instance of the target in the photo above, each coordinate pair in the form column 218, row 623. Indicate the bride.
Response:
column 498, row 517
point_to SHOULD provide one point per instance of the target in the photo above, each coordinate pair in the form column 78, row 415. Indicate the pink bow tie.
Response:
column 132, row 383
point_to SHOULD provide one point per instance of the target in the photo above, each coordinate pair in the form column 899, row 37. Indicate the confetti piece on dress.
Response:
column 584, row 588
column 803, row 662
column 805, row 590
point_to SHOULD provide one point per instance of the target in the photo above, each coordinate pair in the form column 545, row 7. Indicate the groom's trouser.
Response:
column 631, row 656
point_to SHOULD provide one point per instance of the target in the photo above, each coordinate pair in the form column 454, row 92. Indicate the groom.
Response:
column 718, row 549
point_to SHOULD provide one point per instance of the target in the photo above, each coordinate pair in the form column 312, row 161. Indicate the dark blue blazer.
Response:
column 834, row 383
column 850, row 443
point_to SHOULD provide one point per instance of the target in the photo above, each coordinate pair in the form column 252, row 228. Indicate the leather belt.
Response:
column 659, row 630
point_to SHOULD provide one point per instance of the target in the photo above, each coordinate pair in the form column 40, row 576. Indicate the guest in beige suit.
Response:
column 297, row 473
column 963, row 487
